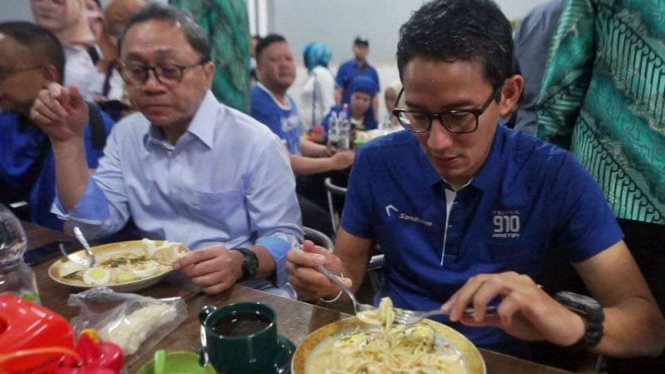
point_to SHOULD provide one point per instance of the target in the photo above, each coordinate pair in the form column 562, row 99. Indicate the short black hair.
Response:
column 159, row 12
column 41, row 44
column 468, row 30
column 265, row 42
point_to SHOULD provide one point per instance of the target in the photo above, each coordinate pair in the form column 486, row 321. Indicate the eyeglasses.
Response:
column 457, row 121
column 4, row 74
column 166, row 74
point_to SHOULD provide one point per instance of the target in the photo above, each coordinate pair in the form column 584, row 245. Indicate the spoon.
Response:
column 84, row 243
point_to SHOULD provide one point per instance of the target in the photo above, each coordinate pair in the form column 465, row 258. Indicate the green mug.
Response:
column 178, row 362
column 242, row 338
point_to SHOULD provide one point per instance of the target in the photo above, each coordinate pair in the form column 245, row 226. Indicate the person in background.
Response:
column 390, row 96
column 252, row 62
column 31, row 57
column 272, row 106
column 602, row 97
column 68, row 20
column 533, row 38
column 363, row 90
column 465, row 210
column 318, row 91
column 95, row 17
column 351, row 69
column 185, row 168
column 113, row 95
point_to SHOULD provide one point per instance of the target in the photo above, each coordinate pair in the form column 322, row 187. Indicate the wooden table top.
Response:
column 295, row 319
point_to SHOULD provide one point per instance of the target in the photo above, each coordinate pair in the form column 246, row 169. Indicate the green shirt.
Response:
column 603, row 97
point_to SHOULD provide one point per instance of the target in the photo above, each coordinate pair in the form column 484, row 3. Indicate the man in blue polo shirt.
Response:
column 354, row 68
column 466, row 210
column 30, row 58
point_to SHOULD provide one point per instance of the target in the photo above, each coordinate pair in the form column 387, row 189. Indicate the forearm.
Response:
column 354, row 254
column 311, row 149
column 71, row 171
column 307, row 165
column 338, row 96
column 634, row 327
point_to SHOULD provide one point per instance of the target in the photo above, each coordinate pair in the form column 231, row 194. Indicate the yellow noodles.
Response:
column 386, row 349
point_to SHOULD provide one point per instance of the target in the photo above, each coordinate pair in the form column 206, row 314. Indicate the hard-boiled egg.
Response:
column 96, row 276
column 147, row 269
column 127, row 277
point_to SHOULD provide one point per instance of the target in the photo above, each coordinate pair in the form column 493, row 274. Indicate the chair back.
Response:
column 319, row 238
column 333, row 190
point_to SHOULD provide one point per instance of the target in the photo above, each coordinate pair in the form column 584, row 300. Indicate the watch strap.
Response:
column 592, row 314
column 250, row 263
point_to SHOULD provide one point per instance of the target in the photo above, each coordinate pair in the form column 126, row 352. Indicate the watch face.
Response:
column 251, row 264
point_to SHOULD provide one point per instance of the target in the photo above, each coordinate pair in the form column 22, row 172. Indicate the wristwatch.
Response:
column 250, row 263
column 592, row 313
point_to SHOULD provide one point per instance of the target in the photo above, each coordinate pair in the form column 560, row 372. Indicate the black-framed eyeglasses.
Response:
column 457, row 121
column 4, row 74
column 166, row 74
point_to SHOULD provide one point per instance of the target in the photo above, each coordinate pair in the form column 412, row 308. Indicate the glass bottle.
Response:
column 15, row 275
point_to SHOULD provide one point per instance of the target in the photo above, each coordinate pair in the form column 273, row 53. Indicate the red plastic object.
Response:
column 25, row 325
column 97, row 358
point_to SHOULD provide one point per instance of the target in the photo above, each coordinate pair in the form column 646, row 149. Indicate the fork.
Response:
column 409, row 317
column 75, row 260
column 357, row 306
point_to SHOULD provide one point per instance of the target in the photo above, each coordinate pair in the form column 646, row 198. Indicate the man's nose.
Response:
column 439, row 137
column 153, row 84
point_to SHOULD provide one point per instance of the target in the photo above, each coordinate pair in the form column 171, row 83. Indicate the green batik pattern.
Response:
column 226, row 24
column 603, row 97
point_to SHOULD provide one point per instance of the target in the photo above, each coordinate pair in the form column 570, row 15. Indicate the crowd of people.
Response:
column 109, row 122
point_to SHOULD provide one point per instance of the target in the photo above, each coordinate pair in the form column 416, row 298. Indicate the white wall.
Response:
column 15, row 10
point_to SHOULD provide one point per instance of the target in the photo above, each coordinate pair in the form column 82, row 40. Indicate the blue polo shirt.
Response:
column 528, row 197
column 282, row 120
column 23, row 146
column 349, row 71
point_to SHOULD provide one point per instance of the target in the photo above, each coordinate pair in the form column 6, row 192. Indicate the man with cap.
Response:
column 356, row 67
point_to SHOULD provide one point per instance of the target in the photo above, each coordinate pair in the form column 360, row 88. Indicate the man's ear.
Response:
column 511, row 95
column 50, row 74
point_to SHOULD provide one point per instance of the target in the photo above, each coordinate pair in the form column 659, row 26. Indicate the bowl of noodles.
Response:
column 124, row 266
column 369, row 343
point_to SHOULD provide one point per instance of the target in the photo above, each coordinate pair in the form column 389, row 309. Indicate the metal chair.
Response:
column 332, row 191
column 318, row 238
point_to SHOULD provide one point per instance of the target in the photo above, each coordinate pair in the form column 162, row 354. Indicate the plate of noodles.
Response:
column 124, row 267
column 369, row 343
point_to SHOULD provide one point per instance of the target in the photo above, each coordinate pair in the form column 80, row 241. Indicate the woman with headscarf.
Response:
column 390, row 96
column 318, row 92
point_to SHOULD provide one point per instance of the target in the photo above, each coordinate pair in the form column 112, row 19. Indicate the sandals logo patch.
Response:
column 506, row 224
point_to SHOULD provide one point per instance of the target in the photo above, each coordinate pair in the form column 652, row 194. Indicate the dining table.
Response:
column 295, row 319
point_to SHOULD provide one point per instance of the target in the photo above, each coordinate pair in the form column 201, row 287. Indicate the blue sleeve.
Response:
column 263, row 113
column 357, row 217
column 587, row 222
column 272, row 204
column 375, row 76
column 339, row 78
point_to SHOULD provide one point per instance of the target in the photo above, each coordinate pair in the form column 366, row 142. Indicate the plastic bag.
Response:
column 136, row 323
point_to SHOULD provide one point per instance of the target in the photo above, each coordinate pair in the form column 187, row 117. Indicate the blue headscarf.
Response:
column 316, row 54
column 365, row 85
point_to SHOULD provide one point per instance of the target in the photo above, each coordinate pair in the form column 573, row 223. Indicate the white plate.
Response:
column 132, row 286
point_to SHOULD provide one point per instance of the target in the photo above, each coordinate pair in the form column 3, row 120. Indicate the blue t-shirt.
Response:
column 349, row 71
column 528, row 197
column 283, row 121
column 24, row 145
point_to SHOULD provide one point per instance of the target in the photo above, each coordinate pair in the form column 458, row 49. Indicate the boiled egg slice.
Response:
column 127, row 277
column 147, row 269
column 96, row 276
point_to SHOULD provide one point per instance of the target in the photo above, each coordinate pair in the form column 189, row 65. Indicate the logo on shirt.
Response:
column 391, row 208
column 506, row 224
